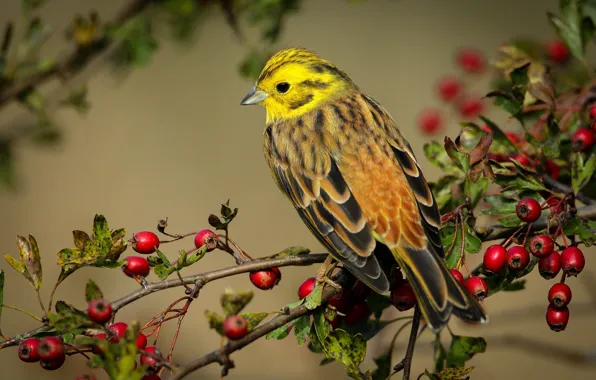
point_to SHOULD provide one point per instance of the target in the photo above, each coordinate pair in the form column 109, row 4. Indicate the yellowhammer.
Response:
column 339, row 157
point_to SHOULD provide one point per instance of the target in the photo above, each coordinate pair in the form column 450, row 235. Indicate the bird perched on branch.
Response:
column 340, row 158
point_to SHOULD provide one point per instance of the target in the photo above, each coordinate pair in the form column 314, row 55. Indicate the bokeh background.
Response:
column 171, row 140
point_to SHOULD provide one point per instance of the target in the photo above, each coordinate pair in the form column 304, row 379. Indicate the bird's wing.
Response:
column 313, row 183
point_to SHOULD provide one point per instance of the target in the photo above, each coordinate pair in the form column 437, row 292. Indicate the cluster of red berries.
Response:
column 451, row 89
column 571, row 260
column 50, row 351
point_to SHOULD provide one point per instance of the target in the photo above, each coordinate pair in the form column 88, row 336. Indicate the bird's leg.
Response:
column 324, row 270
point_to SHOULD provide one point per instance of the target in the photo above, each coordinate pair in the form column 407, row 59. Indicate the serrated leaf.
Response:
column 63, row 308
column 233, row 302
column 582, row 172
column 281, row 332
column 302, row 329
column 584, row 229
column 101, row 233
column 518, row 181
column 350, row 351
column 254, row 319
column 463, row 348
column 92, row 291
column 500, row 205
column 314, row 299
column 215, row 321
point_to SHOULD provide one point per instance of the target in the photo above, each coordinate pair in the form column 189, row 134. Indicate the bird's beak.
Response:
column 254, row 96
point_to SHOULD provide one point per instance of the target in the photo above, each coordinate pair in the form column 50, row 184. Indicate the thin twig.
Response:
column 406, row 363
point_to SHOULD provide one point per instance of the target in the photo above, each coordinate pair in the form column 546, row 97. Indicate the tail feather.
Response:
column 437, row 291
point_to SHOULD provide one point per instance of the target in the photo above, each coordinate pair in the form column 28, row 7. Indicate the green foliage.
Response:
column 582, row 172
column 450, row 374
column 30, row 264
column 462, row 349
column 92, row 291
column 313, row 300
column 584, row 229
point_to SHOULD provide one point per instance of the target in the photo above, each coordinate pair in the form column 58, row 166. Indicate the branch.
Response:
column 567, row 189
column 220, row 354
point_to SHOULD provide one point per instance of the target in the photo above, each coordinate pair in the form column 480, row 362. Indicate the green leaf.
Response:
column 518, row 181
column 439, row 353
column 281, row 332
column 290, row 251
column 162, row 272
column 463, row 348
column 215, row 321
column 254, row 319
column 137, row 41
column 503, row 281
column 314, row 299
column 459, row 158
column 437, row 155
column 506, row 101
column 500, row 205
column 163, row 258
column 383, row 369
column 472, row 243
column 582, row 172
column 64, row 309
column 302, row 329
column 346, row 349
column 510, row 221
column 499, row 136
column 584, row 229
column 92, row 291
column 450, row 374
column 377, row 303
column 233, row 302
column 78, row 100
column 321, row 325
column 568, row 26
column 477, row 190
column 443, row 192
column 80, row 239
column 101, row 233
column 515, row 286
column 16, row 265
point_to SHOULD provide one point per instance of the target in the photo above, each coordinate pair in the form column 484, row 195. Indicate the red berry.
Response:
column 306, row 287
column 572, row 261
column 557, row 318
column 518, row 258
column 28, row 350
column 513, row 137
column 559, row 295
column 51, row 348
column 430, row 120
column 470, row 107
column 552, row 169
column 582, row 140
column 358, row 313
column 235, row 327
column 449, row 88
column 555, row 204
column 403, row 297
column 557, row 51
column 96, row 350
column 541, row 245
column 342, row 301
column 592, row 111
column 265, row 279
column 549, row 266
column 99, row 311
column 145, row 242
column 477, row 287
column 150, row 361
column 136, row 266
column 525, row 161
column 207, row 238
column 118, row 330
column 141, row 341
column 360, row 290
column 528, row 210
column 471, row 60
column 494, row 259
column 85, row 377
column 486, row 129
column 153, row 376
column 54, row 364
column 458, row 276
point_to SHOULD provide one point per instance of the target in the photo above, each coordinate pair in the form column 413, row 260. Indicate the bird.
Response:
column 353, row 178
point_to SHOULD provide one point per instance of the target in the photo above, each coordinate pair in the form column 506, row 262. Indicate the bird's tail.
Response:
column 438, row 293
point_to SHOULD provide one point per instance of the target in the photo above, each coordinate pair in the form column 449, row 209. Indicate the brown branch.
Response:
column 567, row 189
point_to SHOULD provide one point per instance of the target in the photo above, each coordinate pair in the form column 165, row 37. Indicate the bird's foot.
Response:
column 322, row 275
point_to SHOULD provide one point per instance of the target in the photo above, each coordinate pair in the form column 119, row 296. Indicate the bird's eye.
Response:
column 282, row 87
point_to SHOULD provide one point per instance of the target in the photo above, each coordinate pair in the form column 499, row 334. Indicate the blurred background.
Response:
column 170, row 139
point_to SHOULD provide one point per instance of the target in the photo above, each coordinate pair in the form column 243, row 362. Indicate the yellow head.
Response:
column 295, row 81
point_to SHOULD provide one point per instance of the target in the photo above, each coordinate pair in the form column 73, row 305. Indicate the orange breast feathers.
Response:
column 384, row 195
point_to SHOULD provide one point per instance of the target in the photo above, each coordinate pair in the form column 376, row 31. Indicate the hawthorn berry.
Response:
column 430, row 120
column 494, row 259
column 572, row 261
column 99, row 311
column 528, row 210
column 471, row 60
column 265, row 279
column 477, row 287
column 28, row 350
column 557, row 317
column 592, row 111
column 145, row 242
column 207, row 238
column 559, row 294
column 513, row 137
column 486, row 128
column 582, row 140
column 54, row 364
column 150, row 361
column 552, row 169
column 342, row 301
column 50, row 348
column 306, row 287
column 118, row 330
column 458, row 276
column 449, row 88
column 360, row 290
column 235, row 327
column 518, row 258
column 541, row 245
column 141, row 341
column 136, row 266
column 403, row 297
column 549, row 266
column 555, row 204
column 96, row 350
column 558, row 51
column 470, row 107
column 359, row 312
